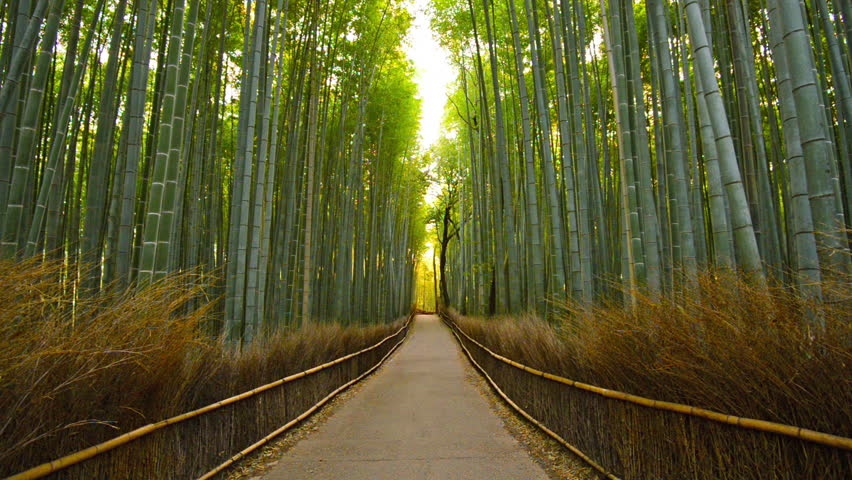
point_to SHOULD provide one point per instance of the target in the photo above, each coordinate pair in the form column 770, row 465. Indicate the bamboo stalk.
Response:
column 799, row 433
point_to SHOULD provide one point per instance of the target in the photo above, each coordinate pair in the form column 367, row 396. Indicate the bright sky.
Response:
column 434, row 72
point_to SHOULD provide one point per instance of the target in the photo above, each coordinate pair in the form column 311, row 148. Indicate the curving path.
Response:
column 417, row 419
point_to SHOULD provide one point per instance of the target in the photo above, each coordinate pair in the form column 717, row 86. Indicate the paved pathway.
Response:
column 416, row 419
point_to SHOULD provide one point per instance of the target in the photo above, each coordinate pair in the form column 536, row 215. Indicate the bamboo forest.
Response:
column 612, row 237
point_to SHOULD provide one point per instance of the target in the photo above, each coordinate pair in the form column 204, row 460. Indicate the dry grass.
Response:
column 75, row 373
column 727, row 346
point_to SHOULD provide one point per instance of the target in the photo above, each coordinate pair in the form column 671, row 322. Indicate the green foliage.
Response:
column 623, row 118
column 221, row 130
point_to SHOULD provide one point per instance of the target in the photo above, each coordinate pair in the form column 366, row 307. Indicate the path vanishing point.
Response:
column 418, row 418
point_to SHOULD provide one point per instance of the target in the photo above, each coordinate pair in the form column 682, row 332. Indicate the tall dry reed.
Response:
column 727, row 346
column 74, row 373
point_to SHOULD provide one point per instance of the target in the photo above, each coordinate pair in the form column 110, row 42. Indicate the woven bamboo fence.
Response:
column 630, row 437
column 201, row 443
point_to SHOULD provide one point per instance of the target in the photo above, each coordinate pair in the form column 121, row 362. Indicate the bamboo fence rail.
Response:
column 636, row 437
column 211, row 431
column 526, row 415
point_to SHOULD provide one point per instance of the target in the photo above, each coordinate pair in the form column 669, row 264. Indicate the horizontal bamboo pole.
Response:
column 576, row 451
column 93, row 451
column 298, row 419
column 799, row 433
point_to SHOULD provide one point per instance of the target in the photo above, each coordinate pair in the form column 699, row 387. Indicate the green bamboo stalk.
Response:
column 511, row 252
column 151, row 266
column 58, row 142
column 567, row 162
column 807, row 262
column 533, row 226
column 136, row 99
column 673, row 118
column 25, row 154
column 560, row 265
column 816, row 147
column 97, row 184
column 20, row 57
column 748, row 255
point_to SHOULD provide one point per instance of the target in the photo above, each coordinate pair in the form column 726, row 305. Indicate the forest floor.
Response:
column 425, row 415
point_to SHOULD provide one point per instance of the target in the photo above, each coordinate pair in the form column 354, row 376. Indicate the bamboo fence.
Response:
column 632, row 437
column 191, row 444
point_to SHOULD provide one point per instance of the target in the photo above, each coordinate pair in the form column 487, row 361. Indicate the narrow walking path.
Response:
column 418, row 419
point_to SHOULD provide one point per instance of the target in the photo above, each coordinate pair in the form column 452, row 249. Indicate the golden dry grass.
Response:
column 727, row 346
column 75, row 373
